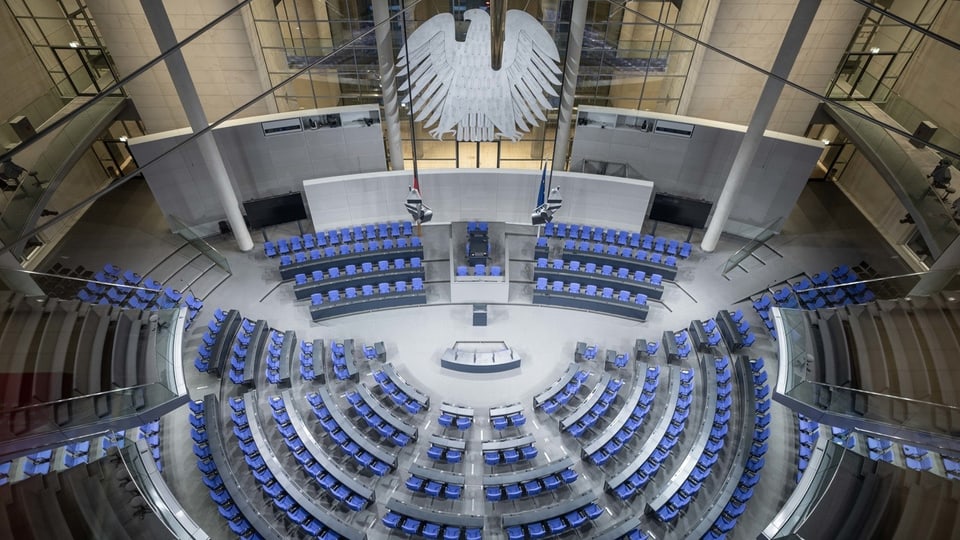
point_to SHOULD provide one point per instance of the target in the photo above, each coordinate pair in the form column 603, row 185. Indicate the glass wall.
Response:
column 629, row 60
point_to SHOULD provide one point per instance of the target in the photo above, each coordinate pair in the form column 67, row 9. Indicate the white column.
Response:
column 388, row 84
column 792, row 41
column 570, row 73
column 166, row 39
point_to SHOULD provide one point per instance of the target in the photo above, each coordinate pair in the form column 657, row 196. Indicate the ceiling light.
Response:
column 825, row 141
column 74, row 44
column 874, row 50
column 123, row 138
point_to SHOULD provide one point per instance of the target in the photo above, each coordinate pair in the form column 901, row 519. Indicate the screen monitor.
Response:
column 275, row 210
column 680, row 210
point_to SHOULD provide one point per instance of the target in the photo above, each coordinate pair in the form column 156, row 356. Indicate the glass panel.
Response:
column 197, row 241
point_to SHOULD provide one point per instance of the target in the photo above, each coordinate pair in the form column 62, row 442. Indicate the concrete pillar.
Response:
column 166, row 39
column 792, row 41
column 941, row 273
column 570, row 73
column 388, row 84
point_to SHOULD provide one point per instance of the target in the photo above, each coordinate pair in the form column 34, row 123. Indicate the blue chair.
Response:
column 496, row 271
column 417, row 284
column 461, row 270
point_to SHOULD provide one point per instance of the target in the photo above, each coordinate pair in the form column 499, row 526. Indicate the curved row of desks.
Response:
column 519, row 477
column 339, row 261
column 584, row 407
column 304, row 500
column 218, row 453
column 432, row 515
column 353, row 432
column 620, row 419
column 361, row 304
column 597, row 304
column 709, row 386
column 408, row 389
column 645, row 451
column 557, row 385
column 616, row 261
column 585, row 278
column 388, row 416
column 358, row 280
column 544, row 513
column 321, row 457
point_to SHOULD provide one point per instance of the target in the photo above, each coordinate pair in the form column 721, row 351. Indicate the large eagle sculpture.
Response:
column 455, row 90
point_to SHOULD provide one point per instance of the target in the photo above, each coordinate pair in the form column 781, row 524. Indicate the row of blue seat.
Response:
column 214, row 326
column 327, row 481
column 685, row 494
column 350, row 293
column 444, row 453
column 282, row 500
column 599, row 409
column 625, row 252
column 239, row 350
column 351, row 270
column 460, row 422
column 502, row 422
column 551, row 405
column 590, row 290
column 274, row 349
column 622, row 238
column 211, row 476
column 434, row 488
column 605, row 270
column 529, row 488
column 737, row 504
column 555, row 525
column 508, row 456
column 150, row 432
column 347, row 249
column 480, row 270
column 633, row 423
column 150, row 294
column 651, row 466
column 399, row 397
column 306, row 361
column 809, row 433
column 416, row 527
column 381, row 425
column 339, row 360
column 346, row 444
column 380, row 231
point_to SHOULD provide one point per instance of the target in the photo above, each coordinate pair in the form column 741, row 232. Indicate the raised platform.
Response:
column 480, row 357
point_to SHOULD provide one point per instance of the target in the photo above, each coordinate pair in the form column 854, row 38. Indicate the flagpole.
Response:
column 413, row 128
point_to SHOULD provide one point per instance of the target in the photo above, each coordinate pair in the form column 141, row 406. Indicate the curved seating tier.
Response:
column 432, row 523
column 381, row 232
column 400, row 391
column 313, row 448
column 628, row 529
column 323, row 260
column 346, row 435
column 367, row 274
column 619, row 279
column 664, row 436
column 604, row 301
column 327, row 480
column 379, row 418
column 446, row 449
column 504, row 416
column 508, row 450
column 529, row 482
column 594, row 407
column 401, row 294
column 565, row 515
column 455, row 416
column 299, row 506
column 628, row 421
column 632, row 260
column 218, row 474
column 616, row 237
column 434, row 482
column 552, row 394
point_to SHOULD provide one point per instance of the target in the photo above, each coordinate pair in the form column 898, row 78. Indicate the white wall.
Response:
column 697, row 167
column 489, row 194
column 259, row 166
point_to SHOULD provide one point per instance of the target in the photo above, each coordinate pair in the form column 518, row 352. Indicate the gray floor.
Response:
column 126, row 228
